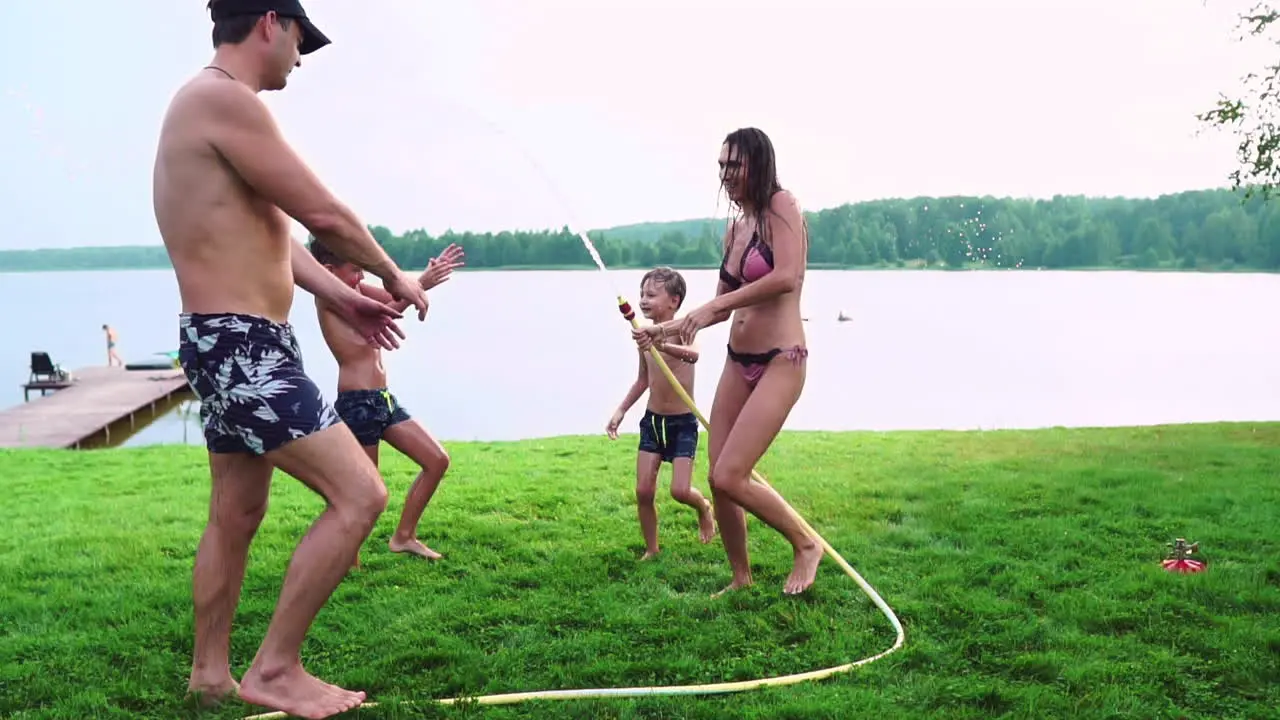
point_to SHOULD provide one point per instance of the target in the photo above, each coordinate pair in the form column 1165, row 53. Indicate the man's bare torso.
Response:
column 359, row 363
column 663, row 398
column 230, row 249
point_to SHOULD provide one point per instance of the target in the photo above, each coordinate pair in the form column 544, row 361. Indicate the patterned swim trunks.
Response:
column 369, row 413
column 247, row 372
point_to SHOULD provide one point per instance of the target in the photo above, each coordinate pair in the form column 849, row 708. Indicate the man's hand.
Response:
column 403, row 287
column 374, row 321
column 441, row 267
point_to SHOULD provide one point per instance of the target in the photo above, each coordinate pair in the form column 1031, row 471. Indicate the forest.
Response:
column 1208, row 230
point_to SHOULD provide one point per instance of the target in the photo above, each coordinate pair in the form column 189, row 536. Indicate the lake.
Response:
column 512, row 355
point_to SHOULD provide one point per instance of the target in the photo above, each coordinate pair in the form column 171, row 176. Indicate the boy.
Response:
column 366, row 406
column 668, row 430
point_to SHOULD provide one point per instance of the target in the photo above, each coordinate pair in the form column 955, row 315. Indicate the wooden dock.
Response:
column 99, row 401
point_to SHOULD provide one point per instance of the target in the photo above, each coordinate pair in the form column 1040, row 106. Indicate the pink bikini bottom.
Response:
column 753, row 365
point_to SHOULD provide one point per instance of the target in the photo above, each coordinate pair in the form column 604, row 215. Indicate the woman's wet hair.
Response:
column 753, row 148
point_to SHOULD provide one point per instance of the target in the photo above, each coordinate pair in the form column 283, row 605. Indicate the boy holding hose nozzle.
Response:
column 668, row 429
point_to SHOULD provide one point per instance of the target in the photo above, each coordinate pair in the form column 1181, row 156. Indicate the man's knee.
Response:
column 349, row 482
column 370, row 498
column 239, row 517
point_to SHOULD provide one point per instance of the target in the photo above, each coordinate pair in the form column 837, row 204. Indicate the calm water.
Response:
column 509, row 355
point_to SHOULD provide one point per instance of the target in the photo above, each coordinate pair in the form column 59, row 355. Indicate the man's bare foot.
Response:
column 649, row 555
column 207, row 692
column 735, row 585
column 298, row 693
column 413, row 547
column 805, row 569
column 706, row 525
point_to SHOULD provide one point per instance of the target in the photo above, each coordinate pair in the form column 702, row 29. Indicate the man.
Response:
column 113, row 357
column 225, row 185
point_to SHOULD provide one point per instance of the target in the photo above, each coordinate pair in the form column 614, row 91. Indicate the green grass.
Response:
column 1024, row 566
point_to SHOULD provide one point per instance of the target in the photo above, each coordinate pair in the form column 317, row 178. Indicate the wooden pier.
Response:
column 97, row 402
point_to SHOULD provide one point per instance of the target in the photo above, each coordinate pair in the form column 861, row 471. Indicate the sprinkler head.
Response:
column 1179, row 559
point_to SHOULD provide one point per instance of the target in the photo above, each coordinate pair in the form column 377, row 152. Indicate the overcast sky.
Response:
column 450, row 113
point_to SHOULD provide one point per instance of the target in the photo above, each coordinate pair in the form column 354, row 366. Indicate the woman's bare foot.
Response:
column 735, row 585
column 207, row 692
column 706, row 524
column 805, row 569
column 296, row 692
column 649, row 555
column 413, row 546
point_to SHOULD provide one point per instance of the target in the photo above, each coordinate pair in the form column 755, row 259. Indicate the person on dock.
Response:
column 668, row 428
column 113, row 357
column 225, row 184
column 761, row 277
column 366, row 405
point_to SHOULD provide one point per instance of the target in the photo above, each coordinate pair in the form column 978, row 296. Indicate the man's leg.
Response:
column 372, row 452
column 237, row 503
column 333, row 464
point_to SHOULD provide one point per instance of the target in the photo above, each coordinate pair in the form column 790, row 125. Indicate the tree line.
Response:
column 1219, row 229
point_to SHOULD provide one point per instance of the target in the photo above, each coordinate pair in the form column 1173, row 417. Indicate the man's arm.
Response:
column 247, row 137
column 313, row 277
column 386, row 298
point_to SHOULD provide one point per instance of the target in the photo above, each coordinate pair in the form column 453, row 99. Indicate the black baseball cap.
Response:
column 312, row 38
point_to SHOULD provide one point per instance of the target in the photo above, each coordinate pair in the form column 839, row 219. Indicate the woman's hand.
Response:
column 695, row 321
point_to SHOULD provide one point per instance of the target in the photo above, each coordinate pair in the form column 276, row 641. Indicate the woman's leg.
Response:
column 731, row 394
column 756, row 426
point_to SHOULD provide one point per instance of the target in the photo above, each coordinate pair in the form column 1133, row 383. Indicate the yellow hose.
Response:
column 711, row 688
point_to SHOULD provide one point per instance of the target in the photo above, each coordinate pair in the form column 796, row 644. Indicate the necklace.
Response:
column 224, row 72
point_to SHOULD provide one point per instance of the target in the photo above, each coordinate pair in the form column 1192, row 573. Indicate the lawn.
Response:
column 1023, row 565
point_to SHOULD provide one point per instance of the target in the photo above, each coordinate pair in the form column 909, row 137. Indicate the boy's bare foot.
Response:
column 207, row 692
column 805, row 569
column 413, row 547
column 296, row 692
column 649, row 555
column 735, row 585
column 706, row 524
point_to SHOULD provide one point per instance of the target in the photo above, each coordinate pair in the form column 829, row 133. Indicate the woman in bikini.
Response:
column 761, row 276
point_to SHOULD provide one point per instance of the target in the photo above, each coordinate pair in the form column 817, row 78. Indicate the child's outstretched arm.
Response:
column 633, row 394
column 439, row 269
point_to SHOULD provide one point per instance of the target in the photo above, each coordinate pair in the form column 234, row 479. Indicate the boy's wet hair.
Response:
column 323, row 254
column 671, row 281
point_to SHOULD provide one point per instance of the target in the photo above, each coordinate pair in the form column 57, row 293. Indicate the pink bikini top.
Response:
column 756, row 262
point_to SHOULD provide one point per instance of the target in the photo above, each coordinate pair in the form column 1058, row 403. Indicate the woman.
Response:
column 761, row 276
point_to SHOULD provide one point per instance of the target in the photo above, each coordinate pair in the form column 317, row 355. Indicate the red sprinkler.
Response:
column 1180, row 560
